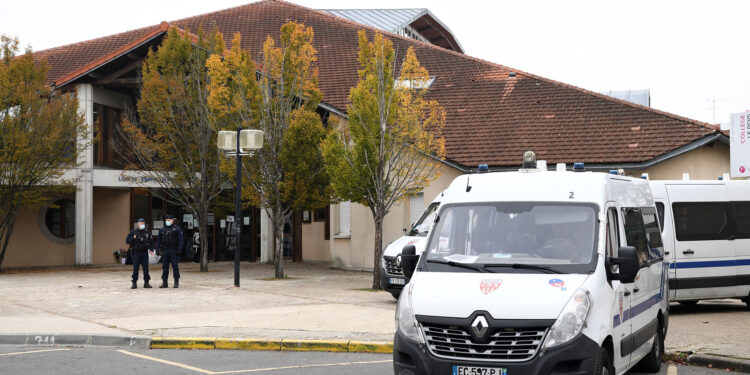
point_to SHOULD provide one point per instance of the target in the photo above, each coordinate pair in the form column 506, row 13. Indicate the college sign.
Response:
column 739, row 149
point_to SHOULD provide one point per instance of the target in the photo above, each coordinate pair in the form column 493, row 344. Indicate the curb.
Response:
column 141, row 342
column 720, row 362
column 351, row 346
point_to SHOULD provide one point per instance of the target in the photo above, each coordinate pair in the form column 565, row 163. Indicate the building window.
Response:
column 57, row 221
column 345, row 223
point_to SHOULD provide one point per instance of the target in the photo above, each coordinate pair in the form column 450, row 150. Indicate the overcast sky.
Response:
column 688, row 53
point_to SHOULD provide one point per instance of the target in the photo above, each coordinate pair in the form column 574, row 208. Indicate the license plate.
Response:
column 466, row 370
column 397, row 281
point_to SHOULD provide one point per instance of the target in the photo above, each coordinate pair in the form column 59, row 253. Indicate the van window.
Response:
column 660, row 211
column 741, row 214
column 701, row 221
column 422, row 226
column 613, row 235
column 635, row 233
column 653, row 234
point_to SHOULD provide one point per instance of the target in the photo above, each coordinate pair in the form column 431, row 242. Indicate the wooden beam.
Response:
column 120, row 72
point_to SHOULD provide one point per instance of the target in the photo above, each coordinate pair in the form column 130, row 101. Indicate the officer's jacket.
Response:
column 170, row 238
column 142, row 241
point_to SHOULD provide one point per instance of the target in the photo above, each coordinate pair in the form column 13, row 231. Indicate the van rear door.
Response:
column 704, row 253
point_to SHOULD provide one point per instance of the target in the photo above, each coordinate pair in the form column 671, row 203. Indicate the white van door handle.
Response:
column 627, row 293
column 636, row 290
column 688, row 251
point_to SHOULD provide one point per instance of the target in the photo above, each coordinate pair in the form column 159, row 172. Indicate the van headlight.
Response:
column 405, row 320
column 571, row 321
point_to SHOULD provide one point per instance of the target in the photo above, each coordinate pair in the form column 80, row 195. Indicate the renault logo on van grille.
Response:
column 479, row 327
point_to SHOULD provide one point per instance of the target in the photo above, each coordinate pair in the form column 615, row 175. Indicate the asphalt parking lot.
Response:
column 105, row 361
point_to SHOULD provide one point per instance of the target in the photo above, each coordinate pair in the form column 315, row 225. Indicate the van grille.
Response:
column 391, row 268
column 508, row 344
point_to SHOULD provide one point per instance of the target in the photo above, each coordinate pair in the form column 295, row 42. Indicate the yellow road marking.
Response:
column 33, row 351
column 672, row 370
column 196, row 369
column 177, row 364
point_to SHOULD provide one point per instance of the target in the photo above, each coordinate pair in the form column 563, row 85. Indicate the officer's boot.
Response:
column 176, row 283
column 147, row 285
column 135, row 286
column 163, row 284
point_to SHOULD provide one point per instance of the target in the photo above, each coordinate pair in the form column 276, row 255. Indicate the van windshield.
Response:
column 555, row 235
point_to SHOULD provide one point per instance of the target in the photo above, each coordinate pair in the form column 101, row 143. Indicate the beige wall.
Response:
column 111, row 223
column 356, row 252
column 29, row 247
column 704, row 163
column 314, row 246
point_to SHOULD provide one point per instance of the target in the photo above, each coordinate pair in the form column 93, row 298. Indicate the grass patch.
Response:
column 678, row 357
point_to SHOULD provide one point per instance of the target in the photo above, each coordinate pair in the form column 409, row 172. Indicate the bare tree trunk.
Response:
column 278, row 234
column 10, row 222
column 204, row 244
column 378, row 250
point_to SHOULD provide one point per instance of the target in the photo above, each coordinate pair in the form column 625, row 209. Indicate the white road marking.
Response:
column 33, row 351
column 164, row 361
column 202, row 371
column 672, row 370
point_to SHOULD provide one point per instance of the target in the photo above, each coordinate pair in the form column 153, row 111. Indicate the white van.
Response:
column 536, row 272
column 392, row 277
column 706, row 236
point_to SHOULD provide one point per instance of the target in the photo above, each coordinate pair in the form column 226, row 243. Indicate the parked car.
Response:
column 392, row 278
column 536, row 272
column 706, row 232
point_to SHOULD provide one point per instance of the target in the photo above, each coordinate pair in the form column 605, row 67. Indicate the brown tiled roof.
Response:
column 492, row 117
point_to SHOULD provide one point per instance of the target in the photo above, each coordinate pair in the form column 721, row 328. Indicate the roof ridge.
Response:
column 52, row 49
column 370, row 9
column 712, row 127
column 223, row 10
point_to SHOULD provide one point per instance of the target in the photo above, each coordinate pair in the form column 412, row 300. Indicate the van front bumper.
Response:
column 575, row 357
column 385, row 282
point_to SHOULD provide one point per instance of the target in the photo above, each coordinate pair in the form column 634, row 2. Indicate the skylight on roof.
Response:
column 415, row 84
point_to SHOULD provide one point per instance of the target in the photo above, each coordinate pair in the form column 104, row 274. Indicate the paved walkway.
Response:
column 316, row 303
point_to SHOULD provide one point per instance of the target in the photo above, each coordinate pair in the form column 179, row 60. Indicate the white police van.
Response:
column 536, row 272
column 392, row 277
column 706, row 232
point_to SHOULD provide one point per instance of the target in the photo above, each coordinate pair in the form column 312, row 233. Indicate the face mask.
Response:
column 142, row 226
column 169, row 223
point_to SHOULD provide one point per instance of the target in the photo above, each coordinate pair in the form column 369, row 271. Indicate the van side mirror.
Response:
column 409, row 259
column 627, row 260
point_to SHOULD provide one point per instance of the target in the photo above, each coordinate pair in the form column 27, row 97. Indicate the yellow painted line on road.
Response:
column 33, row 351
column 672, row 370
column 298, row 367
column 164, row 361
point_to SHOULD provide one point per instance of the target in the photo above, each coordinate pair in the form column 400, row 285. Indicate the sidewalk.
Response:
column 315, row 303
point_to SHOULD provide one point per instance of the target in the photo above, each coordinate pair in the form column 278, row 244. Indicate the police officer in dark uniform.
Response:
column 170, row 242
column 140, row 242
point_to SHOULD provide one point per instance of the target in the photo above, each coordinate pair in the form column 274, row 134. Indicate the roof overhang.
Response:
column 122, row 51
column 707, row 140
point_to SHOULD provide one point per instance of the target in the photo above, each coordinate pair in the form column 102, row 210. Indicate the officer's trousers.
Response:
column 140, row 258
column 170, row 257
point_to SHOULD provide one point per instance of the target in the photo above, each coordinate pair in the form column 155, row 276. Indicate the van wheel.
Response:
column 652, row 361
column 688, row 303
column 604, row 363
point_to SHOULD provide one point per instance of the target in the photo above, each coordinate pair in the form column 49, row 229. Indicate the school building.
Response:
column 494, row 114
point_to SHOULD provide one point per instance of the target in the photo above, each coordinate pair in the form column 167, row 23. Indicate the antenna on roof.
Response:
column 468, row 187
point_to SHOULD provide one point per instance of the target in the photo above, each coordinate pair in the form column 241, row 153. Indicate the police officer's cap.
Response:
column 168, row 216
column 141, row 220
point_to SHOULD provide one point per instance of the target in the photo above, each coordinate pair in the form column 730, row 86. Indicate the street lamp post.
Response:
column 235, row 143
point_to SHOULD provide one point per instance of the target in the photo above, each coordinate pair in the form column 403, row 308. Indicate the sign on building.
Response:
column 739, row 149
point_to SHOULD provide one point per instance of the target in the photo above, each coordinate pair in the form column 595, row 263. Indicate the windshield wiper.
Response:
column 524, row 266
column 474, row 267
